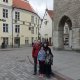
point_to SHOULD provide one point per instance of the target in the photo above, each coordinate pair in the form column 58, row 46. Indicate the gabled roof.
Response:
column 23, row 5
column 50, row 12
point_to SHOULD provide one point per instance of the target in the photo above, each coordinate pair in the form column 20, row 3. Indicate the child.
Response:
column 48, row 63
column 48, row 60
column 41, row 59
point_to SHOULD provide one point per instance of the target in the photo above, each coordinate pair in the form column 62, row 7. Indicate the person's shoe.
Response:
column 48, row 76
column 39, row 75
column 34, row 74
column 42, row 75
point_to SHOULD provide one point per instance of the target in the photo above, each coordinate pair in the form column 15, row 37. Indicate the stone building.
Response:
column 66, row 12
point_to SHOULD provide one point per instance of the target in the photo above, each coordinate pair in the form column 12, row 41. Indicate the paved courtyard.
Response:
column 17, row 64
column 67, row 63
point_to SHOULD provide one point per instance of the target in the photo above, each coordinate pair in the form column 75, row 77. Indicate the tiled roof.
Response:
column 50, row 12
column 22, row 5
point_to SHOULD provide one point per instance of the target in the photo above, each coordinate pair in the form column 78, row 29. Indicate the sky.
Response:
column 40, row 5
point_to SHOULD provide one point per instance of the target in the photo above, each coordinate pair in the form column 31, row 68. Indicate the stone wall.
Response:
column 70, row 8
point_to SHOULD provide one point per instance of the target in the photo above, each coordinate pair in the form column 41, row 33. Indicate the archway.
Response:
column 65, row 32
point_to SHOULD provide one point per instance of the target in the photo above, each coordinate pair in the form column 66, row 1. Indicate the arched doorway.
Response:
column 65, row 32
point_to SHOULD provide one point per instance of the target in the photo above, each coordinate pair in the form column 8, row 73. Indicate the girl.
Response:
column 41, row 59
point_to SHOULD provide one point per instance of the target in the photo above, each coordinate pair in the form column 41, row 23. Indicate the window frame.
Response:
column 5, row 13
column 5, row 1
column 5, row 27
column 17, row 28
column 17, row 15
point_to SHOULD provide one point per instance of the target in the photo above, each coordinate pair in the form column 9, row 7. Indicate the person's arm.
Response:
column 51, row 52
column 38, row 55
column 33, row 51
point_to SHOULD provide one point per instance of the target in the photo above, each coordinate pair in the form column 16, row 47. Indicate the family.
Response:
column 42, row 53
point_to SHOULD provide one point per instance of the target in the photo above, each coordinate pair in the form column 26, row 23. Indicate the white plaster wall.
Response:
column 7, row 21
column 46, row 29
column 24, row 28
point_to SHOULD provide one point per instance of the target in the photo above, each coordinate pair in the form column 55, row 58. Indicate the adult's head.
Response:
column 36, row 43
column 45, row 44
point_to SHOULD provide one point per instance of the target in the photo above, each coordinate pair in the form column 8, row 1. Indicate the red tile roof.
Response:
column 23, row 5
column 50, row 12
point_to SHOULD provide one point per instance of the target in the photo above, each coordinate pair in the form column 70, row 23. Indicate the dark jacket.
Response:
column 49, row 57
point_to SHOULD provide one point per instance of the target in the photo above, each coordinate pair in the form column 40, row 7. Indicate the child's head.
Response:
column 42, row 48
column 45, row 45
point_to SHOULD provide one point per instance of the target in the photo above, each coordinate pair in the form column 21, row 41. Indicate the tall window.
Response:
column 5, row 40
column 5, row 13
column 36, row 30
column 36, row 20
column 5, row 27
column 5, row 1
column 32, row 19
column 17, row 28
column 32, row 30
column 17, row 16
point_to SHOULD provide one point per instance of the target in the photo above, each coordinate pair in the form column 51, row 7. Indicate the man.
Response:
column 35, row 50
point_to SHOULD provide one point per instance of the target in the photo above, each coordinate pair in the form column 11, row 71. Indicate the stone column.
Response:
column 70, row 38
column 76, row 39
column 58, row 42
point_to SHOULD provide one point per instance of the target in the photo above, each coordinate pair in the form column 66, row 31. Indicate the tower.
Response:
column 66, row 11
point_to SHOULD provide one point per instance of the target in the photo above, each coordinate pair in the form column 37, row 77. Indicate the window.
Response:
column 32, row 30
column 32, row 19
column 36, row 20
column 5, row 40
column 46, row 22
column 5, row 27
column 5, row 13
column 32, row 39
column 36, row 30
column 17, row 16
column 29, row 28
column 17, row 28
column 5, row 1
column 26, row 40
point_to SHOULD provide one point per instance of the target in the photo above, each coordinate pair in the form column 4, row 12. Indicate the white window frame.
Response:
column 5, row 1
column 17, row 28
column 5, row 13
column 17, row 15
column 5, row 27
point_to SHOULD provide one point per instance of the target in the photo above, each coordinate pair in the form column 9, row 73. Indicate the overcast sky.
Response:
column 40, row 5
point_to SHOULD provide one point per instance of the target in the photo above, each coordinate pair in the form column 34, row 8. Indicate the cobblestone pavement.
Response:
column 17, row 64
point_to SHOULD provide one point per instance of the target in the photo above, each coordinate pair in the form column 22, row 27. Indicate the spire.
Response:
column 46, row 6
